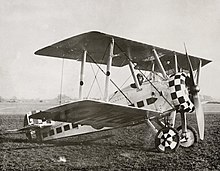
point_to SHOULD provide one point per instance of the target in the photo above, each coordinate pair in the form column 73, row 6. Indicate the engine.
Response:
column 179, row 90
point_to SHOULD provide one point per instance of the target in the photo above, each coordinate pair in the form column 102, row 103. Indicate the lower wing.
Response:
column 96, row 113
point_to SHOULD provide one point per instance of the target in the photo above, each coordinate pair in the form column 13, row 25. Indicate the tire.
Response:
column 28, row 135
column 192, row 136
column 167, row 140
column 38, row 136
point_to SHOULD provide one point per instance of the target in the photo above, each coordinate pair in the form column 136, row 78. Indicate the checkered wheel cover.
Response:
column 167, row 140
column 179, row 92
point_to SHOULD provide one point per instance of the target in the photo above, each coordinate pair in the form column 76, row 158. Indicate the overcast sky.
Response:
column 26, row 26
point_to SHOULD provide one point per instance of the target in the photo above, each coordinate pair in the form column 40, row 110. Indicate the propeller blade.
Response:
column 176, row 62
column 199, row 115
column 190, row 67
column 195, row 92
column 198, row 72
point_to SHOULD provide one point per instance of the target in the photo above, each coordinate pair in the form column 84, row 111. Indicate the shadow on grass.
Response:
column 26, row 144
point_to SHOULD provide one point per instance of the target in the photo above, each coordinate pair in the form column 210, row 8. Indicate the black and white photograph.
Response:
column 99, row 85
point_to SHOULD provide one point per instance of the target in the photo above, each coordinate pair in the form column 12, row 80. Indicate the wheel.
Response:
column 191, row 136
column 167, row 140
column 28, row 135
column 38, row 136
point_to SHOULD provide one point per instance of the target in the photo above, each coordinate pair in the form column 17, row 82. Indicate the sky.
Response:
column 26, row 26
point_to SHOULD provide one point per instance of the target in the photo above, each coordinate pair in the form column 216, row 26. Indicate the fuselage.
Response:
column 49, row 130
column 153, row 95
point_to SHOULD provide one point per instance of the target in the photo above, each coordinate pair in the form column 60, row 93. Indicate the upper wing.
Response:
column 97, row 44
column 96, row 113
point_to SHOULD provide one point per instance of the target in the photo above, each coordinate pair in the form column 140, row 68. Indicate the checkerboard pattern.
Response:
column 179, row 93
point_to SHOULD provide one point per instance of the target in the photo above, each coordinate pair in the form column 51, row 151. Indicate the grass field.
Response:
column 130, row 148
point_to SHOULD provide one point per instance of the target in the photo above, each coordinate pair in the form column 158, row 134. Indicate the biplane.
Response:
column 170, row 88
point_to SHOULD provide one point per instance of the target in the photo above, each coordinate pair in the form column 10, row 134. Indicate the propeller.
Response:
column 194, row 90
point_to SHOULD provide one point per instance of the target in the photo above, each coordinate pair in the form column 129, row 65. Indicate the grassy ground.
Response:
column 130, row 148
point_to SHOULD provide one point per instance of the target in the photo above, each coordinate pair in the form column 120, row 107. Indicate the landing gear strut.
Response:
column 168, row 139
column 188, row 135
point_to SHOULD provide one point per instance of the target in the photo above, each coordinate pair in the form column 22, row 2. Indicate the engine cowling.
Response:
column 179, row 92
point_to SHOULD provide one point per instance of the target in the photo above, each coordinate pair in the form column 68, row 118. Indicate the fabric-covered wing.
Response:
column 96, row 113
column 97, row 45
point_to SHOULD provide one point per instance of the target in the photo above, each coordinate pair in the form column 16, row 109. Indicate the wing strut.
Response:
column 81, row 83
column 134, row 76
column 160, row 64
column 152, row 73
column 132, row 71
column 108, row 70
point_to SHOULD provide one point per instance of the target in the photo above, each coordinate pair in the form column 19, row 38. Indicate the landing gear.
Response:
column 188, row 135
column 189, row 138
column 28, row 135
column 34, row 136
column 167, row 140
column 38, row 136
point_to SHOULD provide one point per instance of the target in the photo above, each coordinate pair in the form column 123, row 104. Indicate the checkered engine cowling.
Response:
column 180, row 93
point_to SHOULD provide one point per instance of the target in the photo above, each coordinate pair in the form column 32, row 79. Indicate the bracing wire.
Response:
column 110, row 79
column 91, row 85
column 121, row 86
column 97, row 74
column 125, row 81
column 95, row 79
column 145, row 77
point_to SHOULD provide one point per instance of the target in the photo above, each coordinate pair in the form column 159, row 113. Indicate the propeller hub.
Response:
column 195, row 89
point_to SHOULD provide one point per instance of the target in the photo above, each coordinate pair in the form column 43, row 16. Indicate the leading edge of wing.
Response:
column 96, row 44
column 96, row 113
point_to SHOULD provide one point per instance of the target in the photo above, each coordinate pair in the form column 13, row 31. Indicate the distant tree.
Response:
column 14, row 98
column 63, row 98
